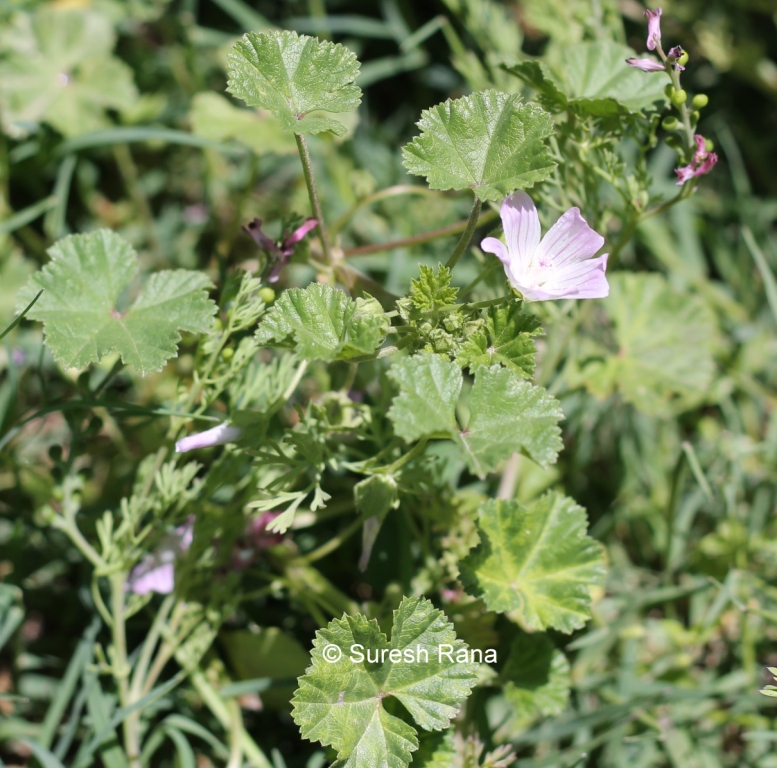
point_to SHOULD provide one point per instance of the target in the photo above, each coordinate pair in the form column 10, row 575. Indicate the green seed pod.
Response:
column 267, row 295
column 709, row 145
column 679, row 97
column 700, row 100
column 670, row 123
column 228, row 353
column 669, row 91
column 674, row 141
column 683, row 60
column 695, row 115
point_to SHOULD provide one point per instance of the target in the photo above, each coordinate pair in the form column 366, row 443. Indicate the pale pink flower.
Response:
column 654, row 28
column 561, row 265
column 646, row 65
column 255, row 538
column 219, row 435
column 156, row 571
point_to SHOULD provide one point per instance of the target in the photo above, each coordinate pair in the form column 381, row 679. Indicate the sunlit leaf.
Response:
column 535, row 563
column 489, row 142
column 295, row 77
column 340, row 701
column 82, row 284
column 321, row 323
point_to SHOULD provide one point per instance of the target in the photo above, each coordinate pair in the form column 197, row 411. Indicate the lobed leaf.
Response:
column 507, row 413
column 429, row 388
column 341, row 703
column 293, row 76
column 665, row 339
column 322, row 323
column 506, row 340
column 489, row 142
column 535, row 563
column 593, row 79
column 82, row 284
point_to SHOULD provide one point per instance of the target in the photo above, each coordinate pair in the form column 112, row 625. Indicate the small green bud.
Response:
column 679, row 97
column 267, row 295
column 669, row 91
column 700, row 100
column 228, row 353
column 674, row 141
column 683, row 60
column 695, row 115
column 670, row 123
column 709, row 145
column 217, row 324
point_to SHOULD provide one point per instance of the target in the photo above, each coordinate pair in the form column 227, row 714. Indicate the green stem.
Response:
column 129, row 174
column 121, row 668
column 117, row 366
column 333, row 543
column 467, row 236
column 315, row 204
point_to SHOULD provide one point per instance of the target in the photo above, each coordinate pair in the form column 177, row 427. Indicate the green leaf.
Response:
column 214, row 118
column 321, row 323
column 375, row 496
column 536, row 678
column 535, row 563
column 507, row 413
column 429, row 292
column 293, row 76
column 663, row 362
column 429, row 387
column 489, row 142
column 341, row 703
column 58, row 69
column 506, row 340
column 594, row 79
column 83, row 282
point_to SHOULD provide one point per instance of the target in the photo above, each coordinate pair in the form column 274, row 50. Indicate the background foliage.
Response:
column 115, row 116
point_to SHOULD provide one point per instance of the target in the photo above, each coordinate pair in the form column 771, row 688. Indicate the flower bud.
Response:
column 679, row 97
column 700, row 100
column 267, row 295
column 670, row 123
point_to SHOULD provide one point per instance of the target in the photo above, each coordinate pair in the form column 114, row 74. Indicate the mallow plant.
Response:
column 337, row 406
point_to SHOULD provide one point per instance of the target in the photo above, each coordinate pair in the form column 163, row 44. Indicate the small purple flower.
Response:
column 646, row 65
column 561, row 265
column 654, row 28
column 702, row 162
column 219, row 435
column 156, row 571
column 676, row 53
column 282, row 252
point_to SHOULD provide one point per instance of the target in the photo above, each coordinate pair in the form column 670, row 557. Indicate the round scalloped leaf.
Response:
column 293, row 76
column 78, row 307
column 489, row 142
column 339, row 702
column 535, row 563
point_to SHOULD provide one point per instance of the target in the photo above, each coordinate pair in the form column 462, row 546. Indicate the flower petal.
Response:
column 216, row 436
column 646, row 65
column 654, row 28
column 569, row 240
column 151, row 576
column 299, row 233
column 497, row 247
column 578, row 280
column 522, row 230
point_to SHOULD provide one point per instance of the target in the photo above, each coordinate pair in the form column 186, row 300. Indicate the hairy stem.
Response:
column 467, row 236
column 315, row 204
